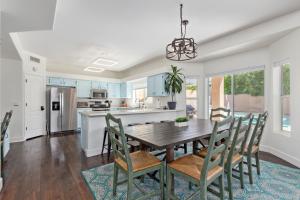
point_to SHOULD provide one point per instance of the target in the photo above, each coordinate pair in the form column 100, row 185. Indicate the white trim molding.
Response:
column 1, row 183
column 291, row 159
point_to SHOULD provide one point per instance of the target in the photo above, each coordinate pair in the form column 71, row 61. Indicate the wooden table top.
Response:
column 162, row 135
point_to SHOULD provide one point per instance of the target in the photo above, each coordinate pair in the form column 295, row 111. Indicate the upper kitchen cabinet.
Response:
column 156, row 85
column 61, row 81
column 83, row 88
column 126, row 90
column 103, row 85
column 95, row 84
column 70, row 82
column 114, row 90
column 99, row 85
column 55, row 81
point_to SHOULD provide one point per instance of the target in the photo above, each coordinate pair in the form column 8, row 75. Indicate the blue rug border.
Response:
column 85, row 181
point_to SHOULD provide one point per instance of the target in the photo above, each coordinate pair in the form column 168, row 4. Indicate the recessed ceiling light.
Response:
column 104, row 62
column 94, row 69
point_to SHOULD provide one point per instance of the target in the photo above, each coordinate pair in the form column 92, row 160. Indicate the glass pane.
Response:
column 220, row 92
column 285, row 98
column 191, row 97
column 248, row 93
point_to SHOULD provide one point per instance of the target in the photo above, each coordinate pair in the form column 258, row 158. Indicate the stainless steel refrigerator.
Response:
column 61, row 109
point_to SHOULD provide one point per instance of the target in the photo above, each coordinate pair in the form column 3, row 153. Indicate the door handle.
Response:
column 42, row 108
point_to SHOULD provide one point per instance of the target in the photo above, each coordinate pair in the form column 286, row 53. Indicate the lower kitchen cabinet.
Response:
column 79, row 116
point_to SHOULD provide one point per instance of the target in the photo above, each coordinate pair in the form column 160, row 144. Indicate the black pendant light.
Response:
column 182, row 48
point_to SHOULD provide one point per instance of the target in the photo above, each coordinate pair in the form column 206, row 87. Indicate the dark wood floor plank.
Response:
column 49, row 168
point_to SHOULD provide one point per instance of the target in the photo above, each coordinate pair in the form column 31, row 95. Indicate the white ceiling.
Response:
column 134, row 31
column 21, row 15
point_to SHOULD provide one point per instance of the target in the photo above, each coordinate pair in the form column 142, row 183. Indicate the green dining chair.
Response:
column 236, row 146
column 236, row 152
column 134, row 165
column 199, row 171
column 253, row 147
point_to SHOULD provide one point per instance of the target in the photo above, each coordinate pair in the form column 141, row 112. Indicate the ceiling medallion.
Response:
column 182, row 48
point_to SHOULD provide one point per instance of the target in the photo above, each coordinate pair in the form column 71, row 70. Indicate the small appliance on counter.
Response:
column 101, row 106
column 83, row 104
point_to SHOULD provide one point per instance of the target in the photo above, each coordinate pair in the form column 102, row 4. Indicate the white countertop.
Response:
column 126, row 112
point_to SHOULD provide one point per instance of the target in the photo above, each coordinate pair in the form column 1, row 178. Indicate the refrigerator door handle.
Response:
column 62, row 104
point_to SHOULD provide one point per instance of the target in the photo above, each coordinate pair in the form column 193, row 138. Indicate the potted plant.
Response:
column 173, row 84
column 181, row 121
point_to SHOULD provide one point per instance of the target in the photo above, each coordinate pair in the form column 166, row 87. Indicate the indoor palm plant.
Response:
column 173, row 84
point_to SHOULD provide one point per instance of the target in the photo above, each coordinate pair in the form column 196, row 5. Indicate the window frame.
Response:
column 232, row 74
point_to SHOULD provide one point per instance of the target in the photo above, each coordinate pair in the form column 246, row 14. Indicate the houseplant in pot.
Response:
column 173, row 84
column 181, row 121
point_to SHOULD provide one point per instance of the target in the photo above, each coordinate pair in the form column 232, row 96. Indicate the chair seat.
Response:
column 191, row 165
column 203, row 152
column 140, row 160
column 254, row 149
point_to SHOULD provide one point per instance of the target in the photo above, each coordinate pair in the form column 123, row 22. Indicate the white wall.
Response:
column 12, row 96
column 287, row 145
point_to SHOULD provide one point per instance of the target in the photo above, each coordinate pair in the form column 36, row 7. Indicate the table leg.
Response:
column 195, row 145
column 144, row 147
column 170, row 158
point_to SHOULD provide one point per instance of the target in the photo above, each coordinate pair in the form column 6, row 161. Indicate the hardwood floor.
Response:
column 49, row 168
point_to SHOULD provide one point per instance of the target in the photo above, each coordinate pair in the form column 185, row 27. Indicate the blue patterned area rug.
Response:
column 275, row 182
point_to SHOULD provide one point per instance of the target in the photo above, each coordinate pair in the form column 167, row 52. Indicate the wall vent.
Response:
column 34, row 59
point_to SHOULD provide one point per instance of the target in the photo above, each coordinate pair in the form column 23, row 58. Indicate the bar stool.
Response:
column 104, row 145
column 134, row 145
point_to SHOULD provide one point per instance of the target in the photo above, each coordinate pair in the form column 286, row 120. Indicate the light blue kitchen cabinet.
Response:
column 70, row 82
column 151, row 86
column 126, row 90
column 83, row 88
column 156, row 85
column 56, row 81
column 103, row 85
column 95, row 84
column 114, row 90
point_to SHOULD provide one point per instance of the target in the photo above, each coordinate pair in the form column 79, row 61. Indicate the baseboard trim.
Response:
column 291, row 159
column 92, row 152
column 17, row 139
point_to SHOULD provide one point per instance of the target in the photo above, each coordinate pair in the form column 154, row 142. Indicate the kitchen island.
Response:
column 93, row 124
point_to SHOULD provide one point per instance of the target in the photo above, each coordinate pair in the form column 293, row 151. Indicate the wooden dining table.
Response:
column 166, row 135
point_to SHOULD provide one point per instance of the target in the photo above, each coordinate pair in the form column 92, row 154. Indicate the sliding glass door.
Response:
column 241, row 92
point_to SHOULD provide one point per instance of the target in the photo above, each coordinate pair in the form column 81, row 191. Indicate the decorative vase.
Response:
column 172, row 105
column 181, row 124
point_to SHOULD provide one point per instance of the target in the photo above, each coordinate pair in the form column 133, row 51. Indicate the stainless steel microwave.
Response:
column 99, row 94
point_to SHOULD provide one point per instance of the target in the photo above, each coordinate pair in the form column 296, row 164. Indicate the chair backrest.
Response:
column 240, row 136
column 258, row 130
column 222, row 113
column 118, row 140
column 5, row 123
column 216, row 149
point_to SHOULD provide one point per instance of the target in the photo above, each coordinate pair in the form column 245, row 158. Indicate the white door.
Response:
column 35, row 111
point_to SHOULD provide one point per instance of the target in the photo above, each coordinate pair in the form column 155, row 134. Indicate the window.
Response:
column 139, row 95
column 285, row 98
column 191, row 97
column 241, row 92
